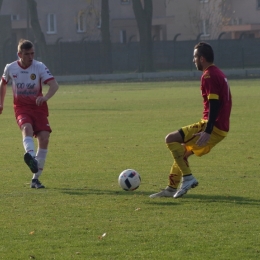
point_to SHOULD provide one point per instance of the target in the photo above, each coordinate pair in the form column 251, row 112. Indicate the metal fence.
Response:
column 83, row 58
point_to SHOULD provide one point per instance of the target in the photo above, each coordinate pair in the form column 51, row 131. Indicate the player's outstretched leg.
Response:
column 167, row 192
column 188, row 182
column 31, row 162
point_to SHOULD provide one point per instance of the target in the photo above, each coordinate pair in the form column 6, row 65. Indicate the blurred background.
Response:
column 79, row 37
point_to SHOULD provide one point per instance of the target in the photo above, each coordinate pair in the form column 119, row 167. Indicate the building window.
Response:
column 236, row 21
column 258, row 4
column 205, row 28
column 98, row 22
column 125, row 2
column 81, row 22
column 123, row 36
column 51, row 23
column 15, row 17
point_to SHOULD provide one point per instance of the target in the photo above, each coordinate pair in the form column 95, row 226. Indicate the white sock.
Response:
column 40, row 157
column 28, row 145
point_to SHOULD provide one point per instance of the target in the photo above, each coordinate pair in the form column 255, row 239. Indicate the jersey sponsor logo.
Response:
column 27, row 86
column 27, row 93
column 206, row 76
column 33, row 76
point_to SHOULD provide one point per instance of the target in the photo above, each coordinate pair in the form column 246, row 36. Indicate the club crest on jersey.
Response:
column 33, row 76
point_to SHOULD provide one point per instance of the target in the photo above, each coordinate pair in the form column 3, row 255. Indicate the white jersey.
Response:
column 26, row 82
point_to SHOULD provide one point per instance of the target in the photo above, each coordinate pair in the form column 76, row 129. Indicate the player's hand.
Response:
column 1, row 109
column 203, row 138
column 40, row 100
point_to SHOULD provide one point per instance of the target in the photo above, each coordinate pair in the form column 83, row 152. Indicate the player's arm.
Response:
column 204, row 137
column 214, row 105
column 3, row 85
column 53, row 87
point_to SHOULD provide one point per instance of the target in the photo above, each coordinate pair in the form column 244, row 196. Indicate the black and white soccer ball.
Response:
column 129, row 180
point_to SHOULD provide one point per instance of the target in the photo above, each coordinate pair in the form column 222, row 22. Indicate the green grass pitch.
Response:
column 98, row 131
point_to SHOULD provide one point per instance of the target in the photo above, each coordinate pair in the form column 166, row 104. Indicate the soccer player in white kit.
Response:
column 30, row 105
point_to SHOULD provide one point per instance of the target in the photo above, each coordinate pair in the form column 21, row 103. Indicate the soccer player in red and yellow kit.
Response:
column 199, row 138
column 30, row 105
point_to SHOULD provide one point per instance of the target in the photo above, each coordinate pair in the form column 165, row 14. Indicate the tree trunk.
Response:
column 37, row 31
column 143, row 15
column 1, row 2
column 106, row 65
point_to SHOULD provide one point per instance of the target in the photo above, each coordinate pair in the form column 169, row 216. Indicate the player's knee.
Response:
column 27, row 129
column 174, row 137
column 43, row 139
column 168, row 139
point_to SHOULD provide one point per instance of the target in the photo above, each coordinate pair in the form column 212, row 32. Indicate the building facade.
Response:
column 244, row 19
column 79, row 20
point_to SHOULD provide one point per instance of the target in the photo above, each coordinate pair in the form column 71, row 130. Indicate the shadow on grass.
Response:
column 200, row 198
column 86, row 191
column 223, row 198
column 89, row 109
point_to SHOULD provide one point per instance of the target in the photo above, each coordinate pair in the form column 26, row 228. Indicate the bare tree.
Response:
column 37, row 31
column 225, row 6
column 91, row 15
column 106, row 65
column 1, row 2
column 209, row 18
column 143, row 11
column 98, row 28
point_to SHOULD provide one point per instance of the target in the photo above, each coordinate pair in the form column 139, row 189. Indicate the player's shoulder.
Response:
column 39, row 66
column 12, row 64
column 213, row 72
column 37, row 63
column 12, row 67
column 207, row 73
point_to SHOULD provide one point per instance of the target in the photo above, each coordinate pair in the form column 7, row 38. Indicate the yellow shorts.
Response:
column 190, row 140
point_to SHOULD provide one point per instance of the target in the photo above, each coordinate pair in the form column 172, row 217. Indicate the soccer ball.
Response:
column 129, row 180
